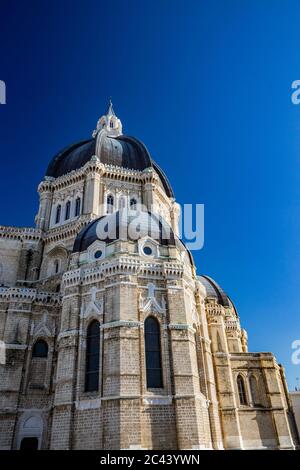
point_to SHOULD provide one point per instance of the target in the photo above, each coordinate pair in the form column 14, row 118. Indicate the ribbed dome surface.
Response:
column 123, row 225
column 215, row 291
column 122, row 151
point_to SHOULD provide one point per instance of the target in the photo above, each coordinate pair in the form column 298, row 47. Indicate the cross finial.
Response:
column 110, row 109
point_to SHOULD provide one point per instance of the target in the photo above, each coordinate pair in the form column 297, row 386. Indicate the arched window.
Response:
column 133, row 203
column 68, row 208
column 40, row 349
column 241, row 390
column 254, row 390
column 92, row 357
column 56, row 266
column 110, row 204
column 57, row 215
column 77, row 207
column 111, row 124
column 30, row 431
column 153, row 353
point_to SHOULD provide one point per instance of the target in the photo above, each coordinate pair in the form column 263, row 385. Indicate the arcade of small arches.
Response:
column 120, row 202
column 248, row 390
column 64, row 212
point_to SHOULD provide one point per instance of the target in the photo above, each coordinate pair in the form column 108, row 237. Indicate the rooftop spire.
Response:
column 110, row 109
column 109, row 122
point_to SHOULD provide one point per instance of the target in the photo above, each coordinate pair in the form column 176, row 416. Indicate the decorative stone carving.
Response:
column 43, row 328
column 94, row 307
column 157, row 400
column 150, row 303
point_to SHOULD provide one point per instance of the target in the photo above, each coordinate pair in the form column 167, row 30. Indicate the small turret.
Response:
column 109, row 122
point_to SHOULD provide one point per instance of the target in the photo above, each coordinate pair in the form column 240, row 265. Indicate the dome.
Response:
column 111, row 147
column 123, row 225
column 215, row 291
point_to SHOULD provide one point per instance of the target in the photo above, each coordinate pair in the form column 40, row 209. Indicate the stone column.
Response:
column 215, row 422
column 15, row 336
column 147, row 195
column 102, row 208
column 224, row 378
column 121, row 404
column 175, row 213
column 190, row 404
column 92, row 194
column 275, row 392
column 64, row 398
column 46, row 195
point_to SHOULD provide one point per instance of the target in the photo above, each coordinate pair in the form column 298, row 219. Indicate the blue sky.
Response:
column 207, row 86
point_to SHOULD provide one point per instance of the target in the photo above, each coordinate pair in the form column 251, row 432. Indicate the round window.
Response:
column 147, row 250
column 98, row 254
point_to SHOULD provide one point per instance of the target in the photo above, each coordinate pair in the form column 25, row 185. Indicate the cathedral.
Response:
column 109, row 337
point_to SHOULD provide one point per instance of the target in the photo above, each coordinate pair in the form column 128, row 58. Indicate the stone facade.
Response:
column 295, row 399
column 214, row 393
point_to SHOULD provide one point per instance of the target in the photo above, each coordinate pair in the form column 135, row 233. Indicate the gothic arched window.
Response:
column 133, row 203
column 68, row 208
column 111, row 124
column 254, row 390
column 241, row 390
column 153, row 353
column 77, row 206
column 57, row 215
column 40, row 349
column 110, row 203
column 92, row 357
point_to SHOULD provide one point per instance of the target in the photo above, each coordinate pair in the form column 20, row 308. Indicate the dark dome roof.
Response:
column 122, row 151
column 113, row 225
column 214, row 290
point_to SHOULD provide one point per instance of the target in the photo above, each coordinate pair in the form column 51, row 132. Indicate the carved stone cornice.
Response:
column 69, row 230
column 213, row 309
column 48, row 297
column 181, row 326
column 94, row 165
column 46, row 185
column 173, row 269
column 123, row 265
column 121, row 323
column 22, row 293
column 21, row 233
column 67, row 334
column 232, row 325
column 157, row 400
